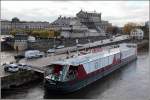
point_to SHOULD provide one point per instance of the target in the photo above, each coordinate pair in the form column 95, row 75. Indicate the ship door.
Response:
column 72, row 73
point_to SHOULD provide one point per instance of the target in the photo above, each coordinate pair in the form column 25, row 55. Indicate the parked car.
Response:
column 61, row 46
column 51, row 51
column 111, row 39
column 19, row 56
column 41, row 54
column 79, row 45
column 24, row 67
column 33, row 54
column 5, row 66
column 11, row 67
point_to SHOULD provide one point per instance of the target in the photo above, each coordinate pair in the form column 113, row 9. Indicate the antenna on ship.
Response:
column 68, row 54
column 77, row 46
column 89, row 45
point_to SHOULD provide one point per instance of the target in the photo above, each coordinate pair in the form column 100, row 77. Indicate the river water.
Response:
column 131, row 82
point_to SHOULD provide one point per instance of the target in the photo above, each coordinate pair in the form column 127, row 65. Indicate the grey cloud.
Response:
column 124, row 12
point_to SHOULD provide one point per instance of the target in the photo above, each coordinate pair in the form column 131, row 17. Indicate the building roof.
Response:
column 89, row 12
column 68, row 22
column 137, row 30
column 26, row 21
column 3, row 20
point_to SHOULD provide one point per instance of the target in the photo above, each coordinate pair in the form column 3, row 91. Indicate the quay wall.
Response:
column 67, row 42
column 17, row 79
column 143, row 45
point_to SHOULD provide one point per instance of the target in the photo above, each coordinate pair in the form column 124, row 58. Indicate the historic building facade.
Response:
column 69, row 27
column 147, row 24
column 93, row 20
column 137, row 33
column 15, row 23
column 83, row 25
column 5, row 26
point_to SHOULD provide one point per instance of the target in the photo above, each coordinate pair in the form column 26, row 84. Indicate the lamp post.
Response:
column 54, row 45
column 89, row 43
column 77, row 45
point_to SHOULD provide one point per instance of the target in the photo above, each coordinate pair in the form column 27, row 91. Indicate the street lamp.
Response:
column 89, row 43
column 54, row 45
column 77, row 45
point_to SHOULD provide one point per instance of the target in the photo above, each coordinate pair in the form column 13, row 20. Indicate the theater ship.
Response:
column 74, row 73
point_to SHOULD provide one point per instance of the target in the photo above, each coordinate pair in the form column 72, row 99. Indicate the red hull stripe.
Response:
column 82, row 73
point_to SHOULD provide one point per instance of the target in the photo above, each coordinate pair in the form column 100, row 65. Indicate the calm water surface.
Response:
column 131, row 82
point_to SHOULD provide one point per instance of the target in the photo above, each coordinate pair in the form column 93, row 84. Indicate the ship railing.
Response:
column 95, row 50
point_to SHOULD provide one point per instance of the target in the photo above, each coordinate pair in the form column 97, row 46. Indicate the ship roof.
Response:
column 77, row 60
column 81, row 59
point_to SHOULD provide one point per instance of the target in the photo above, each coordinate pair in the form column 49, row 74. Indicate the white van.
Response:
column 24, row 66
column 61, row 46
column 33, row 54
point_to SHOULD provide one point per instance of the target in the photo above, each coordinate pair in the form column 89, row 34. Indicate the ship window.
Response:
column 88, row 69
column 56, row 73
column 91, row 67
column 100, row 64
column 96, row 65
column 106, row 61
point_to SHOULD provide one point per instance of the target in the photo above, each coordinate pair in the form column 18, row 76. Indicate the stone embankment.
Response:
column 143, row 45
column 19, row 78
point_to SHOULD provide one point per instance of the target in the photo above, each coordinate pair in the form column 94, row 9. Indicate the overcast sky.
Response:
column 116, row 12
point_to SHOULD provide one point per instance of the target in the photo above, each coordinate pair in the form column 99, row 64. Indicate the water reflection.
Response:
column 127, row 83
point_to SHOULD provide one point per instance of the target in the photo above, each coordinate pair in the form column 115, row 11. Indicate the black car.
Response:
column 19, row 56
column 6, row 66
